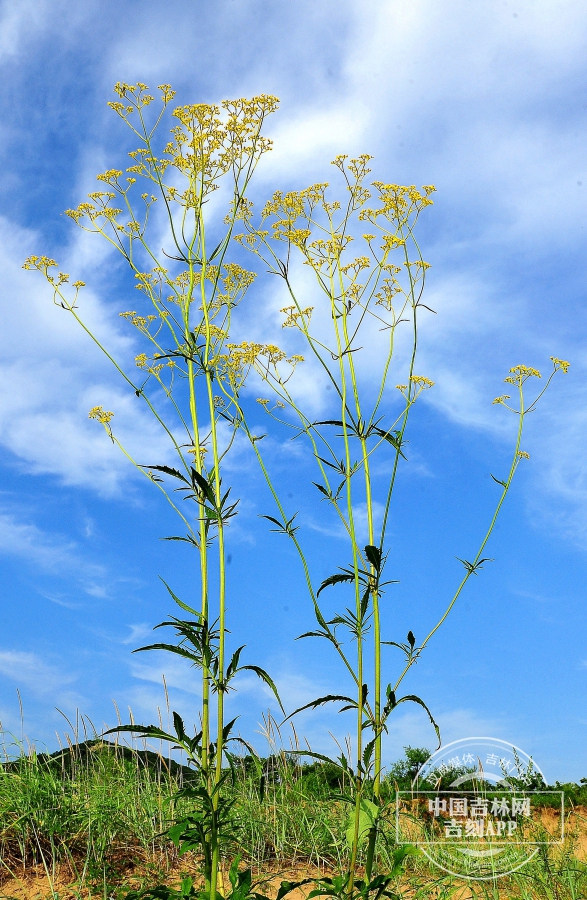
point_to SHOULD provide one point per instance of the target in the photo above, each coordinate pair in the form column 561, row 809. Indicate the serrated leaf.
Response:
column 179, row 726
column 168, row 470
column 412, row 698
column 335, row 579
column 180, row 603
column 204, row 487
column 262, row 674
column 187, row 539
column 329, row 698
column 373, row 554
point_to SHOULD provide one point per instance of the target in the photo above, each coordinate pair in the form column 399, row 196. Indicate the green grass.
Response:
column 94, row 816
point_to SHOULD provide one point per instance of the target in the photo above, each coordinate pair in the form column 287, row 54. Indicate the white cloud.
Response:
column 177, row 672
column 38, row 677
column 138, row 633
column 484, row 103
column 49, row 552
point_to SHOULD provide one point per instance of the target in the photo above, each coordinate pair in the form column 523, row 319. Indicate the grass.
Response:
column 87, row 822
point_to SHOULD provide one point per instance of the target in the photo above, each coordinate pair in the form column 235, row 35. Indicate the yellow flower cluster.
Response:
column 205, row 146
column 42, row 263
column 140, row 322
column 398, row 201
column 561, row 364
column 98, row 413
column 353, row 268
column 389, row 288
column 421, row 382
column 294, row 314
column 519, row 374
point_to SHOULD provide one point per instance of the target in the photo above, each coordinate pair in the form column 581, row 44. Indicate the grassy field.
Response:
column 88, row 822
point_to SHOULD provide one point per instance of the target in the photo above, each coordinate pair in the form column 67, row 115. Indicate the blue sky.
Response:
column 486, row 100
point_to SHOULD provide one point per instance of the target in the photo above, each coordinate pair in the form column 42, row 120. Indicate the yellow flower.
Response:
column 421, row 381
column 501, row 399
column 523, row 455
column 98, row 413
column 560, row 363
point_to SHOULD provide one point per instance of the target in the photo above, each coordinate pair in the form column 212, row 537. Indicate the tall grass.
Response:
column 95, row 816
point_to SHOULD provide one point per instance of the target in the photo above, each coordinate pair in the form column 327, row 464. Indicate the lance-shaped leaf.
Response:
column 335, row 579
column 287, row 887
column 204, row 486
column 183, row 605
column 262, row 674
column 188, row 539
column 392, row 703
column 392, row 437
column 232, row 667
column 473, row 567
column 167, row 470
column 323, row 490
column 152, row 731
column 329, row 698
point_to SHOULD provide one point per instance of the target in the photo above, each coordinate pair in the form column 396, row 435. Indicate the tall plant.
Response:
column 361, row 325
column 185, row 376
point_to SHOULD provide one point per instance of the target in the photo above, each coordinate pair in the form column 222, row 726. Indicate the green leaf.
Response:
column 262, row 674
column 497, row 481
column 392, row 437
column 172, row 648
column 320, row 634
column 179, row 726
column 288, row 886
column 145, row 731
column 368, row 815
column 335, row 579
column 179, row 602
column 204, row 487
column 373, row 554
column 168, row 470
column 216, row 251
column 228, row 728
column 473, row 567
column 368, row 753
column 329, row 698
column 412, row 698
column 188, row 539
column 322, row 489
column 233, row 664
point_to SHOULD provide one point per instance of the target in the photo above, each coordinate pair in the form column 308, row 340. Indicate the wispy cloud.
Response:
column 51, row 552
column 40, row 678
